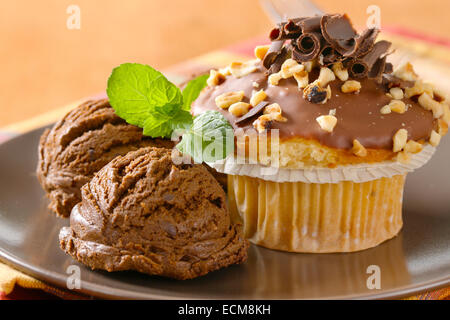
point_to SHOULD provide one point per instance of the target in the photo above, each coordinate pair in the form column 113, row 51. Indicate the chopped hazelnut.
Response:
column 225, row 100
column 261, row 51
column 329, row 94
column 419, row 88
column 435, row 138
column 315, row 93
column 274, row 111
column 428, row 103
column 340, row 71
column 397, row 106
column 442, row 127
column 238, row 109
column 386, row 109
column 404, row 157
column 406, row 72
column 446, row 116
column 262, row 123
column 309, row 65
column 239, row 69
column 358, row 149
column 413, row 147
column 351, row 86
column 441, row 96
column 275, row 78
column 325, row 76
column 302, row 79
column 272, row 108
column 225, row 71
column 429, row 88
column 257, row 97
column 215, row 78
column 400, row 139
column 291, row 67
column 397, row 93
column 327, row 123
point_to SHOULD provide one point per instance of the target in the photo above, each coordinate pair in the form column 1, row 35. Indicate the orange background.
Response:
column 45, row 65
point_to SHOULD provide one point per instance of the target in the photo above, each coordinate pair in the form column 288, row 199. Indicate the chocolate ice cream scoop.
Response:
column 79, row 145
column 142, row 212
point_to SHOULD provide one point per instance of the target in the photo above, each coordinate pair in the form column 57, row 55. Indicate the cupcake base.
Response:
column 317, row 218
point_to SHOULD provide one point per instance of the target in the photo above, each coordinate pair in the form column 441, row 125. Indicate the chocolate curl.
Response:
column 280, row 59
column 360, row 68
column 253, row 112
column 292, row 29
column 328, row 56
column 377, row 70
column 391, row 81
column 389, row 68
column 308, row 47
column 273, row 52
column 363, row 43
column 309, row 25
column 278, row 33
column 338, row 31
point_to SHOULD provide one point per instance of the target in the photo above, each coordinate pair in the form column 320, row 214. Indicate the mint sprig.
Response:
column 210, row 138
column 142, row 96
column 145, row 98
column 192, row 90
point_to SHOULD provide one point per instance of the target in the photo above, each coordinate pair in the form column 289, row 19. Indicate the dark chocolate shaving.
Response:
column 275, row 34
column 363, row 43
column 360, row 68
column 286, row 30
column 388, row 68
column 292, row 29
column 377, row 70
column 273, row 52
column 278, row 33
column 328, row 56
column 283, row 56
column 309, row 25
column 253, row 112
column 330, row 39
column 391, row 81
column 338, row 31
column 308, row 46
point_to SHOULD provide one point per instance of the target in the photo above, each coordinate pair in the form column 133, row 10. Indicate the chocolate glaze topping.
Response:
column 358, row 115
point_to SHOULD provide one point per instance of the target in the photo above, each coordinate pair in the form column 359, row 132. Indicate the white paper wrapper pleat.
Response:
column 356, row 173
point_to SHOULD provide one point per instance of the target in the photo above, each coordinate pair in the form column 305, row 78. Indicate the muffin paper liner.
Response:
column 356, row 173
column 320, row 218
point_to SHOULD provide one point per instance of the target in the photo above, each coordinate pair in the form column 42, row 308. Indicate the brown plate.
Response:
column 417, row 260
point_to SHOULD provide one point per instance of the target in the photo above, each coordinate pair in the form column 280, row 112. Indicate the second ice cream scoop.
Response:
column 142, row 212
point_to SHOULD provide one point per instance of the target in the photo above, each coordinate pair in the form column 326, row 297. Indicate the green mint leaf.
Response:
column 209, row 139
column 192, row 90
column 142, row 96
column 163, row 126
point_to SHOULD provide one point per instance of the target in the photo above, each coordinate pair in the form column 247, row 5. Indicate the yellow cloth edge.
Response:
column 10, row 277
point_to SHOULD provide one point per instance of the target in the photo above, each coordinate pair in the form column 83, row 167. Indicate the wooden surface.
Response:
column 45, row 65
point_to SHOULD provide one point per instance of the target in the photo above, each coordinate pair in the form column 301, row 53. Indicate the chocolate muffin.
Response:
column 79, row 145
column 142, row 212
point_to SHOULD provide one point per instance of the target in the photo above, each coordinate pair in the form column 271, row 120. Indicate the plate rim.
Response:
column 98, row 290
